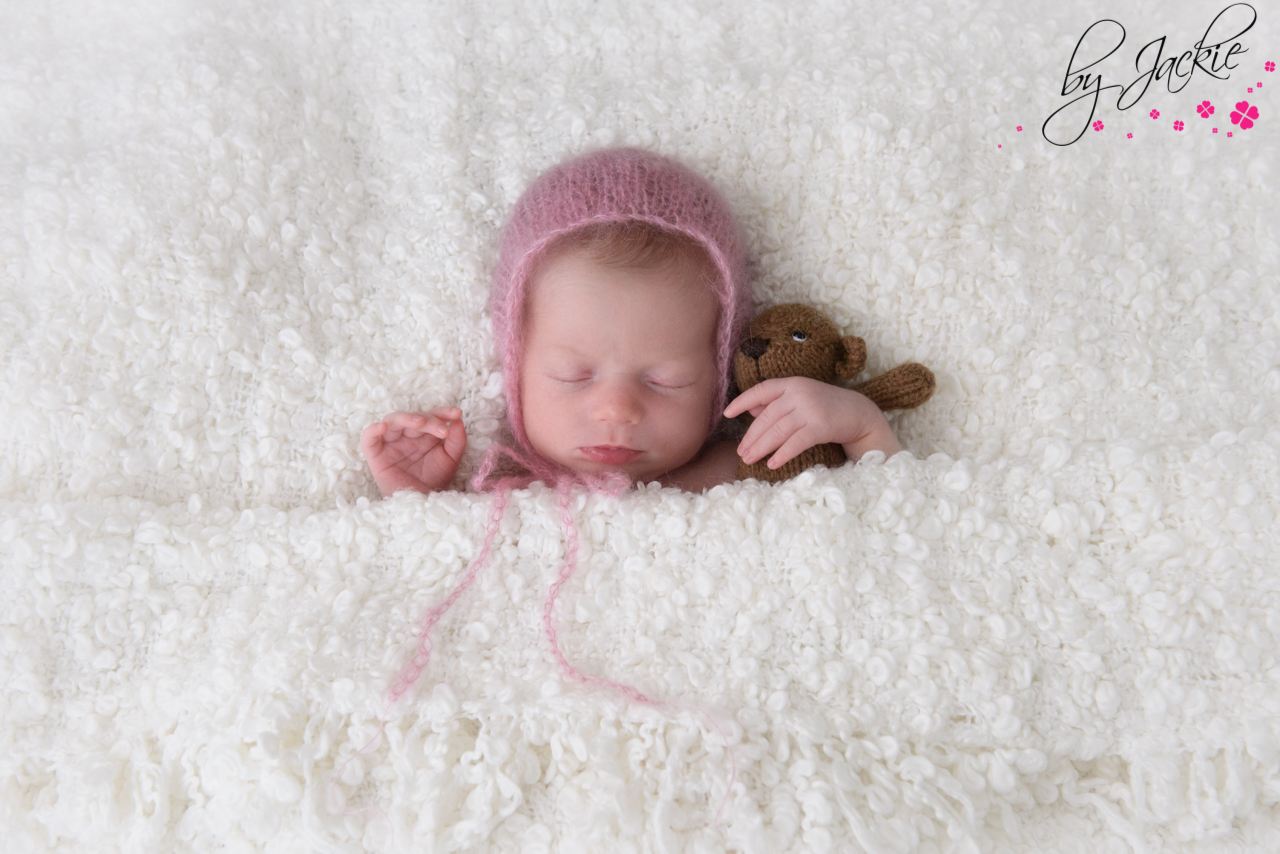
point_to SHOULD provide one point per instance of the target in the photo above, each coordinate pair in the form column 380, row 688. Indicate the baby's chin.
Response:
column 638, row 472
column 642, row 470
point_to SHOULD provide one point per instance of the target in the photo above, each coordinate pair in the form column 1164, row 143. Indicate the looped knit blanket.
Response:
column 233, row 234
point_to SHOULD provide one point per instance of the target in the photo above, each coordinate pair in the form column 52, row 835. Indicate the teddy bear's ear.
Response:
column 854, row 359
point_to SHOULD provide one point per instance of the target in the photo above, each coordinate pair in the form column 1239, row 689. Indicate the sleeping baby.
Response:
column 618, row 301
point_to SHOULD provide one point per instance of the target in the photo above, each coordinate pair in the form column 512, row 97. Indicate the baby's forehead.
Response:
column 574, row 351
column 575, row 273
column 635, row 312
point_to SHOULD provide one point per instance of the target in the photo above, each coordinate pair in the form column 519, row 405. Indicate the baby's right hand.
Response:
column 412, row 450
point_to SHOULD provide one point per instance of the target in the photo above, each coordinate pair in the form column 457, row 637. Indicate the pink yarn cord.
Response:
column 609, row 485
column 422, row 655
column 337, row 776
column 567, row 569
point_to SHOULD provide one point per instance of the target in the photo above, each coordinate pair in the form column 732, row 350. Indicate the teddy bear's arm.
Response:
column 904, row 387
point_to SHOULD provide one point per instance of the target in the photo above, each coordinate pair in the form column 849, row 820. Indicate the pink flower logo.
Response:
column 1098, row 125
column 1215, row 130
column 1019, row 128
column 1244, row 115
column 1228, row 134
column 1205, row 110
column 1270, row 66
column 1155, row 114
column 1251, row 89
column 1178, row 125
column 1130, row 136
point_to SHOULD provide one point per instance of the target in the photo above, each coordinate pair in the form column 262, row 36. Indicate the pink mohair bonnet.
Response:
column 616, row 185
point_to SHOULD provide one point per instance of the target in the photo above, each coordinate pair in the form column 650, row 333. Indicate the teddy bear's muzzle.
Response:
column 753, row 348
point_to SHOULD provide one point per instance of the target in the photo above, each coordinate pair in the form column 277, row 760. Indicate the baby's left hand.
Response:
column 793, row 414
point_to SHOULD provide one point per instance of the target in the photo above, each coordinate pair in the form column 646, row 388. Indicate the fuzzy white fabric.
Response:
column 233, row 234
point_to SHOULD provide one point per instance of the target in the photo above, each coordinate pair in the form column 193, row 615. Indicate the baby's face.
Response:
column 619, row 368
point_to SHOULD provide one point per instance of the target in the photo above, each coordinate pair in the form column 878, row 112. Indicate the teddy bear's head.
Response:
column 794, row 340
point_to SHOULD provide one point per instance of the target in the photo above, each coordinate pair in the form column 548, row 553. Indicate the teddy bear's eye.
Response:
column 799, row 336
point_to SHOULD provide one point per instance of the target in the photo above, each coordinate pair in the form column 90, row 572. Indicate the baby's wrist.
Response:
column 877, row 435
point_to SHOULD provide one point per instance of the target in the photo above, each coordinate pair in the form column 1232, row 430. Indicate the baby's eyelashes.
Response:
column 571, row 379
column 584, row 376
column 661, row 384
column 669, row 384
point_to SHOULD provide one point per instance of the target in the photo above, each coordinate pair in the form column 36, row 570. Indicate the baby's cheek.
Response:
column 695, row 426
column 539, row 419
column 534, row 396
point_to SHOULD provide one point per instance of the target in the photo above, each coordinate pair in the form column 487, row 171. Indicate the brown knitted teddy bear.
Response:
column 794, row 340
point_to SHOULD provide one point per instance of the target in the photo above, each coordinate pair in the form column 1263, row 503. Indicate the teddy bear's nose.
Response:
column 754, row 348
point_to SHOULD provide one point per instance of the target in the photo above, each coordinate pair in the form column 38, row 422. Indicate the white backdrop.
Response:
column 234, row 234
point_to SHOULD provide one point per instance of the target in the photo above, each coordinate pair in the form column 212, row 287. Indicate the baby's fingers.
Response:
column 751, row 400
column 770, row 429
column 785, row 439
column 371, row 439
column 446, row 413
column 455, row 440
column 795, row 445
column 440, row 422
column 415, row 425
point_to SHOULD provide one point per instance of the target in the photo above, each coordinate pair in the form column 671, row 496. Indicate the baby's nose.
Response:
column 754, row 348
column 618, row 403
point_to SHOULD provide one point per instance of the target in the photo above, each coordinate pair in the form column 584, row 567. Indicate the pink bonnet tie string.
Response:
column 487, row 481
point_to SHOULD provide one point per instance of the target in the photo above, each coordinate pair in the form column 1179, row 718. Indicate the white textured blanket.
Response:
column 232, row 234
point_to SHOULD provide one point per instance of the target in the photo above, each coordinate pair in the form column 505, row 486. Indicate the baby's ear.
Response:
column 854, row 359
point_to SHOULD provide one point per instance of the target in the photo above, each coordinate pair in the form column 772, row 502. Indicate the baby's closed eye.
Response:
column 660, row 379
column 672, row 383
column 569, row 372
